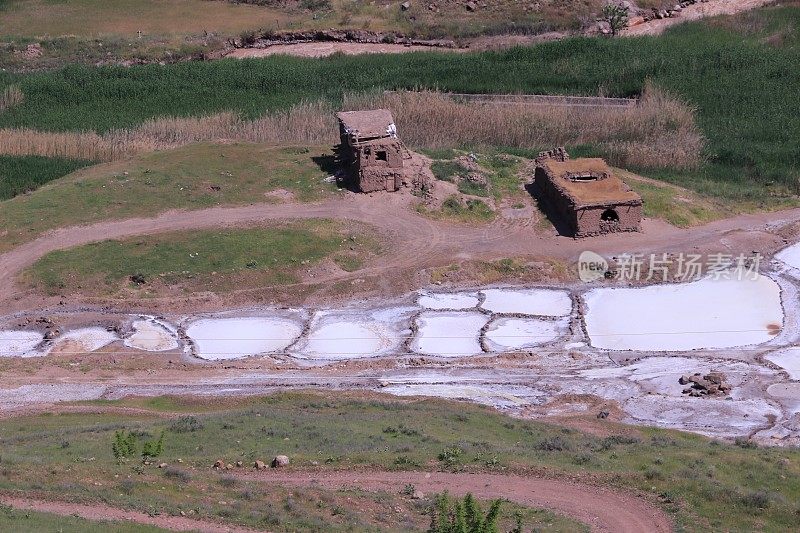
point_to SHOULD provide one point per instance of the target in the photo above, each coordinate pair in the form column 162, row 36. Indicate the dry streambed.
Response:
column 626, row 345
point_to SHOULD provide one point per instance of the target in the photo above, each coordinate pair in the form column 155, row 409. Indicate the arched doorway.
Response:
column 609, row 215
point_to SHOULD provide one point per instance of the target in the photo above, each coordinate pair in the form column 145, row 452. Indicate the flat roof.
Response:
column 609, row 190
column 366, row 124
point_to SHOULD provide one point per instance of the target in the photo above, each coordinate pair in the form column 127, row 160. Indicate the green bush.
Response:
column 463, row 516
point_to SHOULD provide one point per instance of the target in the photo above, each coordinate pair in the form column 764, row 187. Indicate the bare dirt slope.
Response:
column 602, row 509
column 417, row 242
column 694, row 12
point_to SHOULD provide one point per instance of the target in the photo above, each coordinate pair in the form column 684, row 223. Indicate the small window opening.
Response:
column 609, row 215
column 584, row 177
column 381, row 155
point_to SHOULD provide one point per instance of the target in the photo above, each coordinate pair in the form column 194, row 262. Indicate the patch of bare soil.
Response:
column 697, row 11
column 601, row 508
column 97, row 511
column 327, row 48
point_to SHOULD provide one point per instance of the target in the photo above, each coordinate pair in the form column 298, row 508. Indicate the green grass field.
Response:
column 22, row 174
column 193, row 177
column 204, row 260
column 743, row 80
column 703, row 484
column 21, row 521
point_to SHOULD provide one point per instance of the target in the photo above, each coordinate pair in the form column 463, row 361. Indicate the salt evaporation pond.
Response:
column 448, row 300
column 789, row 360
column 790, row 256
column 234, row 338
column 709, row 313
column 517, row 333
column 542, row 302
column 449, row 333
column 84, row 340
column 20, row 343
column 150, row 336
column 337, row 335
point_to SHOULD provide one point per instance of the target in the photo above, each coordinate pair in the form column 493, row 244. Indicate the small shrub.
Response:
column 554, row 444
column 451, row 456
column 178, row 474
column 228, row 481
column 463, row 516
column 127, row 486
column 124, row 445
column 185, row 424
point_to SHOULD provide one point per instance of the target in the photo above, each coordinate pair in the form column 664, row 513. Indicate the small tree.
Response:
column 616, row 15
column 153, row 448
column 123, row 445
column 463, row 516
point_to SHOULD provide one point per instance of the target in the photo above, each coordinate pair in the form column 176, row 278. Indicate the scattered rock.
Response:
column 280, row 461
column 710, row 384
column 417, row 495
column 219, row 463
column 239, row 464
column 162, row 465
column 260, row 465
column 405, row 6
column 471, row 6
column 602, row 415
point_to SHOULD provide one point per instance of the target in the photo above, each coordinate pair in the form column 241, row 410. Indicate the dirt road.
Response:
column 694, row 12
column 101, row 512
column 417, row 242
column 602, row 509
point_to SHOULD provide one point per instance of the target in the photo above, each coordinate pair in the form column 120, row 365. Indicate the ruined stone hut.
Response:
column 586, row 195
column 371, row 150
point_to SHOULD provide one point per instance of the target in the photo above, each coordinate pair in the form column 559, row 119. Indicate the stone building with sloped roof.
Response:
column 586, row 195
column 371, row 150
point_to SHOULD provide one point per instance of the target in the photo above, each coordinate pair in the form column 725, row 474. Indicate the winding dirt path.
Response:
column 101, row 512
column 698, row 11
column 418, row 242
column 602, row 509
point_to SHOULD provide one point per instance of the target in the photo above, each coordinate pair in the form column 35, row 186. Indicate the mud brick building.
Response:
column 371, row 150
column 586, row 195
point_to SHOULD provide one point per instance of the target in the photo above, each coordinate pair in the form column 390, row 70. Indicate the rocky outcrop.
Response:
column 711, row 384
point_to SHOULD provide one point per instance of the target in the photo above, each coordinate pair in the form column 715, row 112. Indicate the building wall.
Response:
column 373, row 179
column 589, row 220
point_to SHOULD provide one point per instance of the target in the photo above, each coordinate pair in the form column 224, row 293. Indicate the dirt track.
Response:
column 694, row 12
column 102, row 512
column 417, row 242
column 602, row 509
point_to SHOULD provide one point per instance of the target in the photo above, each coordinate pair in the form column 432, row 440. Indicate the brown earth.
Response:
column 695, row 12
column 415, row 242
column 97, row 511
column 601, row 508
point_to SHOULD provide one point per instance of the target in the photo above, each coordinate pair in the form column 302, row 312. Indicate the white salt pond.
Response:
column 234, row 338
column 335, row 335
column 790, row 256
column 789, row 360
column 542, row 302
column 709, row 313
column 150, row 336
column 517, row 333
column 447, row 300
column 20, row 343
column 83, row 340
column 449, row 333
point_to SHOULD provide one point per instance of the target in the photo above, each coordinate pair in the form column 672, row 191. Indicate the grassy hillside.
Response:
column 704, row 484
column 26, row 173
column 207, row 260
column 193, row 177
column 741, row 73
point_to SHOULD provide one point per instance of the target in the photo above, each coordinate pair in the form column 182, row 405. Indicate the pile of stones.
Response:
column 711, row 384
